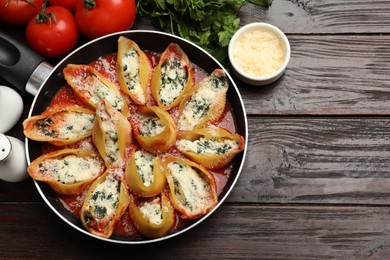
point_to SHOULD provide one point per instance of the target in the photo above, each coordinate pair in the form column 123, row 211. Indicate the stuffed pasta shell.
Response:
column 111, row 134
column 206, row 103
column 154, row 129
column 152, row 218
column 91, row 86
column 172, row 77
column 192, row 187
column 210, row 147
column 134, row 70
column 67, row 171
column 60, row 125
column 141, row 177
column 104, row 204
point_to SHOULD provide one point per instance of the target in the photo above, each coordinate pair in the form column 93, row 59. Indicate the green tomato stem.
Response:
column 43, row 17
column 89, row 4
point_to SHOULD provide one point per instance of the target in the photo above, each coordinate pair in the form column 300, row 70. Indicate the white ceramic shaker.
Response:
column 13, row 163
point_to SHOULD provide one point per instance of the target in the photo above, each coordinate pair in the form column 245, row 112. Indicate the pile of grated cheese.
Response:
column 258, row 53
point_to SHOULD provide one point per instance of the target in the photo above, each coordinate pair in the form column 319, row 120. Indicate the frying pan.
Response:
column 28, row 72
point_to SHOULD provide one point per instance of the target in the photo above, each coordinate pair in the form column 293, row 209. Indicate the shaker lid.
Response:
column 5, row 147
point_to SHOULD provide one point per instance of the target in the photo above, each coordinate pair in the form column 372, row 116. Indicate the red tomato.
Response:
column 53, row 37
column 19, row 12
column 68, row 4
column 96, row 18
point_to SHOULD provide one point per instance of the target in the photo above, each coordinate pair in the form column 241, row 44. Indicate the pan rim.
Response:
column 196, row 222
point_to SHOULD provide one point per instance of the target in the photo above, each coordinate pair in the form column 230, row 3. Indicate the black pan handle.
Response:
column 23, row 68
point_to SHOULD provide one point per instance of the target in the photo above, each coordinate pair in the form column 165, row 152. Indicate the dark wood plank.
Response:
column 282, row 232
column 316, row 160
column 322, row 17
column 347, row 75
column 19, row 192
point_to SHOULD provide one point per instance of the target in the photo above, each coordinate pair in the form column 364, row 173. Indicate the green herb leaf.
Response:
column 209, row 24
column 261, row 2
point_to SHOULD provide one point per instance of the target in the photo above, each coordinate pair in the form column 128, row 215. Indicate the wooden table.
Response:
column 316, row 182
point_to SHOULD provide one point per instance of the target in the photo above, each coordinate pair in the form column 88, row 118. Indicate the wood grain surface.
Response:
column 234, row 231
column 328, row 75
column 316, row 180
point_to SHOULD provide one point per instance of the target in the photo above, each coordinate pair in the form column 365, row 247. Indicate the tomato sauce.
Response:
column 106, row 65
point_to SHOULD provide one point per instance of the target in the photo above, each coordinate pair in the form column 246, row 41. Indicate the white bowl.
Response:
column 264, row 79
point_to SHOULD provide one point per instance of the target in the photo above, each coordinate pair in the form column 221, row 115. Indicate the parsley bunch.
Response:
column 207, row 23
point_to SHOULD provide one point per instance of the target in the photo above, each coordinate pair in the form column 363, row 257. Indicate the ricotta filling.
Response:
column 71, row 169
column 131, row 68
column 192, row 192
column 152, row 211
column 150, row 126
column 111, row 138
column 144, row 163
column 198, row 107
column 205, row 146
column 97, row 90
column 66, row 125
column 173, row 80
column 104, row 199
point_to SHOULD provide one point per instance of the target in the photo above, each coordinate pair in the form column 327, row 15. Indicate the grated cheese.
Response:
column 258, row 53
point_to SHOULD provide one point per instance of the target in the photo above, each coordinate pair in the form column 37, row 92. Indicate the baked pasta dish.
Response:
column 136, row 144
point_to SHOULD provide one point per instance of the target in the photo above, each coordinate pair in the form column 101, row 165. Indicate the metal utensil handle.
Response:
column 17, row 62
